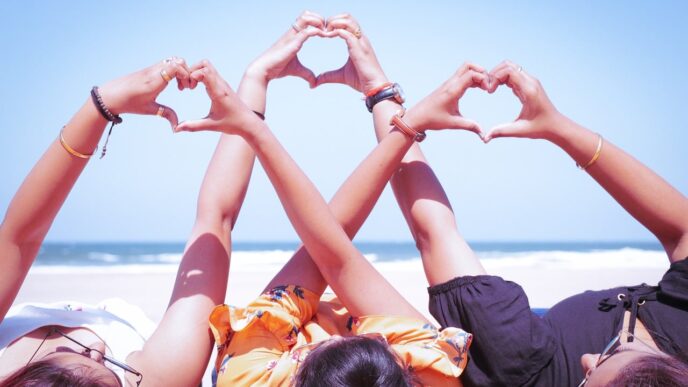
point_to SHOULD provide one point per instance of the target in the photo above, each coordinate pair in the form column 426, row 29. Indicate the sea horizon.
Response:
column 144, row 257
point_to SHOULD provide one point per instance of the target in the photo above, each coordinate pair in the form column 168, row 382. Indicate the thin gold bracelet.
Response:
column 596, row 156
column 71, row 150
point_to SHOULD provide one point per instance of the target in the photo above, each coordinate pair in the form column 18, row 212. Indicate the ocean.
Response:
column 257, row 256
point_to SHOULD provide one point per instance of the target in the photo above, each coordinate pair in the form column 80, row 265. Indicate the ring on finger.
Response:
column 165, row 75
column 160, row 112
column 520, row 69
column 357, row 33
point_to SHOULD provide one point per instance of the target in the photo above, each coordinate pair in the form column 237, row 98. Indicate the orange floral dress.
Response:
column 264, row 343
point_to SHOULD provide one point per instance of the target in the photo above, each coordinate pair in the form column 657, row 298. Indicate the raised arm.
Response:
column 201, row 282
column 419, row 194
column 354, row 279
column 38, row 200
column 426, row 208
column 645, row 195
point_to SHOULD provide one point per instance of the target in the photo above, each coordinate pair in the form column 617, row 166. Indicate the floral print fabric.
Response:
column 264, row 343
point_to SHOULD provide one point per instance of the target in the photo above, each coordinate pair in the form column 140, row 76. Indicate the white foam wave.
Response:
column 273, row 260
column 103, row 257
column 581, row 260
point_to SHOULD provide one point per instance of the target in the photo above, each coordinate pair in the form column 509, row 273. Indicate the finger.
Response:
column 348, row 37
column 511, row 129
column 206, row 73
column 344, row 16
column 471, row 78
column 507, row 73
column 306, row 20
column 175, row 68
column 459, row 122
column 305, row 24
column 194, row 125
column 302, row 71
column 470, row 66
column 345, row 24
column 334, row 76
column 163, row 111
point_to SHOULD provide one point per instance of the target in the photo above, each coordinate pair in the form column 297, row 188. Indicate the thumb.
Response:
column 301, row 71
column 334, row 76
column 194, row 125
column 459, row 122
column 163, row 111
column 511, row 129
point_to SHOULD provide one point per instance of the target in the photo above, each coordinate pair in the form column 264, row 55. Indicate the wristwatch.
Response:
column 393, row 91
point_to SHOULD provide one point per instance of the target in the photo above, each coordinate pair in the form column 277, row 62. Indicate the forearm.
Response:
column 427, row 211
column 41, row 195
column 37, row 202
column 322, row 235
column 644, row 194
column 226, row 181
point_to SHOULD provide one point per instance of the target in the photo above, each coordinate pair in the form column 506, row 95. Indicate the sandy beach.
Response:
column 151, row 291
column 543, row 286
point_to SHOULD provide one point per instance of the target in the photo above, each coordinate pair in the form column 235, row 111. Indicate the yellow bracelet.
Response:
column 71, row 150
column 595, row 156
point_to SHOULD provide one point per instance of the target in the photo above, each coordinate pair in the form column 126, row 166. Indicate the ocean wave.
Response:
column 273, row 260
column 580, row 260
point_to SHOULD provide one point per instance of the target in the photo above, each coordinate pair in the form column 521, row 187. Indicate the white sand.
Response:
column 544, row 287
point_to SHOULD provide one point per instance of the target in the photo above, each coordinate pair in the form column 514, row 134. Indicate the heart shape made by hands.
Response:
column 490, row 110
column 323, row 54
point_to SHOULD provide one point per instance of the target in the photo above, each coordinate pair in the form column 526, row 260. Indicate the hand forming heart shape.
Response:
column 362, row 71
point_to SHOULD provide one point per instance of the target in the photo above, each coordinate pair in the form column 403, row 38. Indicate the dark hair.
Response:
column 665, row 371
column 46, row 374
column 352, row 361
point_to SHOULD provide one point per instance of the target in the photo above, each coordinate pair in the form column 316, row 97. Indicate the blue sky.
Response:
column 617, row 68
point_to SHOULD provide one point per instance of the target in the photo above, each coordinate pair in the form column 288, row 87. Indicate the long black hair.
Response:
column 353, row 361
column 44, row 373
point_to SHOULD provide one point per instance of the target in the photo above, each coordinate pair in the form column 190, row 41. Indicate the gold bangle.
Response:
column 596, row 156
column 71, row 150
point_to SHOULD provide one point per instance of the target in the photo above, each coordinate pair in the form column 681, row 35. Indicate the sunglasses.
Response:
column 88, row 350
column 299, row 354
column 607, row 352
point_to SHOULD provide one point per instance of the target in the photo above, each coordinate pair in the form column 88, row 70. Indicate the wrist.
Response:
column 560, row 130
column 111, row 99
column 414, row 120
column 374, row 83
column 257, row 74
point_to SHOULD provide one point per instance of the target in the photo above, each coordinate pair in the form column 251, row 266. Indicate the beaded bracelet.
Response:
column 106, row 113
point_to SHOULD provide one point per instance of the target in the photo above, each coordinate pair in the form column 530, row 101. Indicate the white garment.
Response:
column 123, row 327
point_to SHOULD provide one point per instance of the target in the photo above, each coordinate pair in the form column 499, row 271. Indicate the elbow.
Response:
column 676, row 245
column 434, row 231
column 217, row 217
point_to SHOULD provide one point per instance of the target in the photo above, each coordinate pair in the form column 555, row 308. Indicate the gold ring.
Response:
column 165, row 75
column 357, row 33
column 161, row 111
column 296, row 27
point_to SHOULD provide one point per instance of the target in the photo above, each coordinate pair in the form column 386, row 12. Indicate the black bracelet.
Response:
column 260, row 115
column 106, row 113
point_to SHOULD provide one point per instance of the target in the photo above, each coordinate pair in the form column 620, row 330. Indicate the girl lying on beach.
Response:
column 626, row 336
column 109, row 344
column 289, row 334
